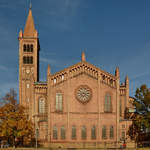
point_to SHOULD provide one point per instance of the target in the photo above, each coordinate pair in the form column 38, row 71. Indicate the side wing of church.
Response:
column 79, row 106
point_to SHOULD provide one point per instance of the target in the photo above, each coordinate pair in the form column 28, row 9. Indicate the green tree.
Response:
column 140, row 128
column 15, row 127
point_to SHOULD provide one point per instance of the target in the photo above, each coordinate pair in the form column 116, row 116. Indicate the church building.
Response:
column 78, row 107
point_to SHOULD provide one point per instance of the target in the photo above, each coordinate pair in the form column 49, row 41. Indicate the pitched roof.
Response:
column 85, row 63
column 29, row 29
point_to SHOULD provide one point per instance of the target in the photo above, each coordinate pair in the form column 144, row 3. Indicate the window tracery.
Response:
column 28, row 47
column 28, row 59
column 83, row 93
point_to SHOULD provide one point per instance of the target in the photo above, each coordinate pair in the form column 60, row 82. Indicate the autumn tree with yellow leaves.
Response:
column 15, row 127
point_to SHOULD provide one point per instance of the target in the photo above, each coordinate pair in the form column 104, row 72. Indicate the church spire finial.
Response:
column 126, row 80
column 48, row 70
column 83, row 58
column 117, row 73
column 30, row 4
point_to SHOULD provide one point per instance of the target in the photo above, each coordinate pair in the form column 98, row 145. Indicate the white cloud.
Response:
column 3, row 68
column 140, row 75
column 49, row 61
column 64, row 7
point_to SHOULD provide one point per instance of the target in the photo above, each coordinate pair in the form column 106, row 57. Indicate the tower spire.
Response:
column 29, row 30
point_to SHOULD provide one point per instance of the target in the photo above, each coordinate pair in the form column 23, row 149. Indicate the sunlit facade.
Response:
column 80, row 106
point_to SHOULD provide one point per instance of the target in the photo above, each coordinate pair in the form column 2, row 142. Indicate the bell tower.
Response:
column 28, row 61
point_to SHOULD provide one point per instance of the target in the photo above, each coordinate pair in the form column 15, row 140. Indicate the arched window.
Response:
column 93, row 132
column 73, row 132
column 24, row 60
column 55, row 133
column 111, row 132
column 59, row 101
column 108, row 103
column 83, row 132
column 41, row 105
column 31, row 60
column 31, row 48
column 104, row 132
column 63, row 133
column 24, row 48
column 28, row 48
column 28, row 60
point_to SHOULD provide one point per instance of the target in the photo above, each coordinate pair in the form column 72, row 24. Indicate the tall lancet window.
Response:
column 31, row 48
column 59, row 102
column 55, row 133
column 108, row 103
column 93, row 132
column 104, row 135
column 28, row 47
column 41, row 105
column 63, row 133
column 24, row 48
column 83, row 132
column 73, row 132
column 111, row 132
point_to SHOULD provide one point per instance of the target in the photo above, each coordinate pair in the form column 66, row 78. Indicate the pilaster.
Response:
column 49, row 104
column 127, row 90
column 117, row 103
column 99, row 105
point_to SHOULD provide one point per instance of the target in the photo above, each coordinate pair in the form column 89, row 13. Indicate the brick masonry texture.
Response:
column 75, row 112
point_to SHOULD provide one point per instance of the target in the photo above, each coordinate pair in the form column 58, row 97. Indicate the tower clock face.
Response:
column 83, row 93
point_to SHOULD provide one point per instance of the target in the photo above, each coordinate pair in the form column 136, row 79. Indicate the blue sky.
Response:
column 111, row 32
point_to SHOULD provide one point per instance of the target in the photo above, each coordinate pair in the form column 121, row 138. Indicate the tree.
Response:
column 140, row 128
column 15, row 127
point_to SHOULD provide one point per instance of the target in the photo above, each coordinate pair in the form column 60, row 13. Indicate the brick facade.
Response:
column 79, row 96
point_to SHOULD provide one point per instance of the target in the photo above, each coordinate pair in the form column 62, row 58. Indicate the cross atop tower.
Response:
column 30, row 4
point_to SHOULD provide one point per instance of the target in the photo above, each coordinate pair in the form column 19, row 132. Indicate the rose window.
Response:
column 83, row 93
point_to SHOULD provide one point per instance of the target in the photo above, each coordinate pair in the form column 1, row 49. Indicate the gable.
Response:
column 83, row 68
